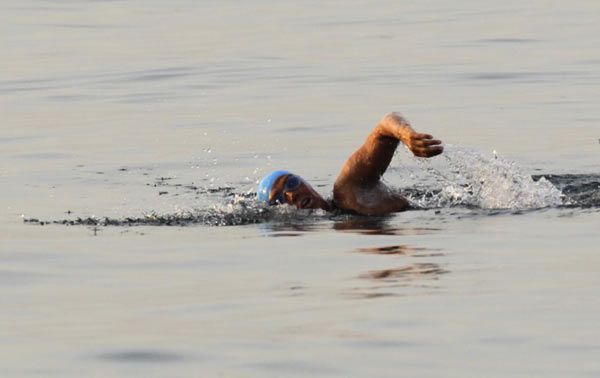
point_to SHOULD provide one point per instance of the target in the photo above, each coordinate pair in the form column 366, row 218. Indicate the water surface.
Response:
column 131, row 131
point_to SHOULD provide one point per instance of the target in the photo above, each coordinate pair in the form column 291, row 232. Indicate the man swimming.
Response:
column 358, row 187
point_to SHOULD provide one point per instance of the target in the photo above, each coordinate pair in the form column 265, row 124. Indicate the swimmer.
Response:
column 358, row 187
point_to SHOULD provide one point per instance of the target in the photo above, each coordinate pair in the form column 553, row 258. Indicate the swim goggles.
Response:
column 292, row 182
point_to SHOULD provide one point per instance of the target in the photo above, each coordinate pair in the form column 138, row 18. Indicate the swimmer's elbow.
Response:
column 394, row 118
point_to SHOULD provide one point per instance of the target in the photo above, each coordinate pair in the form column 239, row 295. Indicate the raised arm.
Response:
column 358, row 186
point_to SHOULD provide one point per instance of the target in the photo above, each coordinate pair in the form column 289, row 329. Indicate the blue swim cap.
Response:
column 265, row 185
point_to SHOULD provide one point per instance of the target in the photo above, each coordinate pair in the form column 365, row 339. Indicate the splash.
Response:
column 234, row 212
column 465, row 177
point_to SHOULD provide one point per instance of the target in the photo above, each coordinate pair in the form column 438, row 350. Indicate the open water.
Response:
column 133, row 134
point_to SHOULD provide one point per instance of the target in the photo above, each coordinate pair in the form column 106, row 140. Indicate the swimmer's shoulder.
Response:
column 336, row 210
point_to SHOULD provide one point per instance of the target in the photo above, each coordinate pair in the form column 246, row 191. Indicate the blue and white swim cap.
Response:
column 265, row 185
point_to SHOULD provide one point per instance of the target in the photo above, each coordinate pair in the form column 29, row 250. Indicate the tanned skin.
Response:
column 305, row 197
column 358, row 186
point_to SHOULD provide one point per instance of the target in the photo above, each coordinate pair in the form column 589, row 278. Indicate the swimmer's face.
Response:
column 292, row 190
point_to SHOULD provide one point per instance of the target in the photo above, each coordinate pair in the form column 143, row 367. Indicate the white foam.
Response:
column 465, row 177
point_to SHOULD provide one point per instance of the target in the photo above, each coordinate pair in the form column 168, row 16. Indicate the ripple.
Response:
column 141, row 356
column 405, row 250
column 421, row 270
column 508, row 40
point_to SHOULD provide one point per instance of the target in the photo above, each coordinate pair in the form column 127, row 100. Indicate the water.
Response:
column 119, row 117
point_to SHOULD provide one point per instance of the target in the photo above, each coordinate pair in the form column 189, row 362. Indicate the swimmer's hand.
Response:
column 423, row 145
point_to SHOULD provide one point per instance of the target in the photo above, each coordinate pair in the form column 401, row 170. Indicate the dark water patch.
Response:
column 296, row 226
column 28, row 88
column 508, row 40
column 503, row 75
column 95, row 78
column 158, row 76
column 238, row 214
column 529, row 77
column 148, row 97
column 580, row 190
column 36, row 81
column 73, row 98
column 141, row 356
column 284, row 235
column 208, row 218
column 404, row 250
column 406, row 273
column 367, row 295
column 224, row 191
column 7, row 140
column 147, row 75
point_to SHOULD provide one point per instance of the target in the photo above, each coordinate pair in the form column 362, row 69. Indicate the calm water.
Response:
column 120, row 116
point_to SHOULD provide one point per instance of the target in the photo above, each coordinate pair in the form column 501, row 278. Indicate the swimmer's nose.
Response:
column 289, row 198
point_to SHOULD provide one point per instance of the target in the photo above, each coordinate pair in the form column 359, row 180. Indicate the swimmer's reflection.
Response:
column 395, row 281
column 405, row 250
column 377, row 226
column 287, row 229
column 364, row 225
column 407, row 273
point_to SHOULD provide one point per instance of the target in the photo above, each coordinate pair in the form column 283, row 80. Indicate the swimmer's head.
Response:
column 282, row 186
column 265, row 185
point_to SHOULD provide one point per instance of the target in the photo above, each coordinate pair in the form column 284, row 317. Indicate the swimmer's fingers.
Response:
column 427, row 151
column 426, row 147
column 421, row 136
column 423, row 145
column 427, row 142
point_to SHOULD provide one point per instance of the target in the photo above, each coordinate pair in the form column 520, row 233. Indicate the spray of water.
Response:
column 465, row 177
